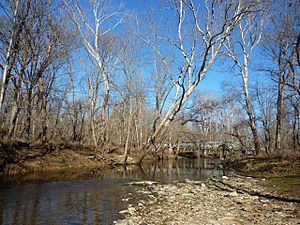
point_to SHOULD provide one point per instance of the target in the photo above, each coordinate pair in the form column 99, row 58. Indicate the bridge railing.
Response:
column 209, row 146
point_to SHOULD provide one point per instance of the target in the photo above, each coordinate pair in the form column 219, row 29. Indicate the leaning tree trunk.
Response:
column 211, row 37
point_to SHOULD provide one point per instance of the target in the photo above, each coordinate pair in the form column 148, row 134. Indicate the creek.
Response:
column 90, row 196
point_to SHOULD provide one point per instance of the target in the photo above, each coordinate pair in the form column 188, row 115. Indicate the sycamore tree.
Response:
column 240, row 47
column 95, row 24
column 198, row 35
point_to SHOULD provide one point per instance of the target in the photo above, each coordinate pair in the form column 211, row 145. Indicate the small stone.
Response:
column 263, row 200
column 124, row 222
column 151, row 196
column 123, row 211
column 238, row 200
column 234, row 193
column 254, row 197
column 142, row 183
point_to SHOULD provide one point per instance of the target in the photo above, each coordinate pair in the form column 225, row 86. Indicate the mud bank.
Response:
column 22, row 158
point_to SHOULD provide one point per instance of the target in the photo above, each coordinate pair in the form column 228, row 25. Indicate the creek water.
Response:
column 89, row 196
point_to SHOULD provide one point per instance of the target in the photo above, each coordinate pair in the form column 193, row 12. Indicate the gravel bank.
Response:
column 234, row 200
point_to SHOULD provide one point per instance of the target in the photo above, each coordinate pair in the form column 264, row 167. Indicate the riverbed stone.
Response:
column 189, row 203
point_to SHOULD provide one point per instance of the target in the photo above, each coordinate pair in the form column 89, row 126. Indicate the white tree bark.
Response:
column 9, row 56
column 221, row 19
column 91, row 33
column 248, row 37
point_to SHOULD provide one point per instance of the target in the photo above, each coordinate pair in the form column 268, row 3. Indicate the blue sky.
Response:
column 214, row 77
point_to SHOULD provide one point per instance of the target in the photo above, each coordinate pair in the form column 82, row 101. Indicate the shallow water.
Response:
column 91, row 196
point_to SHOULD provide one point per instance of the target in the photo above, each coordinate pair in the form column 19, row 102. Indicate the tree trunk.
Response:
column 14, row 118
column 29, row 113
column 129, row 123
column 255, row 136
column 238, row 136
column 43, row 134
column 280, row 109
column 92, row 110
column 251, row 117
column 11, row 54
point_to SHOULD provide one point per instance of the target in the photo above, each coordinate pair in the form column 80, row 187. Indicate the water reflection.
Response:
column 174, row 170
column 72, row 202
column 92, row 199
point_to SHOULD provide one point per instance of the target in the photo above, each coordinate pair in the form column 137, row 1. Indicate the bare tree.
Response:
column 18, row 20
column 199, row 42
column 131, row 65
column 94, row 33
column 247, row 38
column 232, row 115
column 281, row 46
column 266, row 110
column 203, row 112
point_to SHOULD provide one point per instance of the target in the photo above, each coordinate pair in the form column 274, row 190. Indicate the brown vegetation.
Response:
column 100, row 75
column 20, row 158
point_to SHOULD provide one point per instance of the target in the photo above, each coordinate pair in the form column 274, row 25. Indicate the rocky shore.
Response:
column 230, row 200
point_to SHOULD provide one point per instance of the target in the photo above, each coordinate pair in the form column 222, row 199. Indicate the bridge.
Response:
column 209, row 149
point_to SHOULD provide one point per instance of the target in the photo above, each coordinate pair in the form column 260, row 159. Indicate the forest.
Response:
column 129, row 75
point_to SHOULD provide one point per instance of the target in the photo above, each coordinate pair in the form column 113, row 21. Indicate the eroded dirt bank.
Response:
column 24, row 158
column 230, row 200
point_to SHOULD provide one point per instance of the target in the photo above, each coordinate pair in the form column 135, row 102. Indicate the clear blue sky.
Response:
column 215, row 76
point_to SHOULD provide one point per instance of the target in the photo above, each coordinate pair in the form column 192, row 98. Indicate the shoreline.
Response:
column 23, row 158
column 272, row 196
column 229, row 200
column 268, row 192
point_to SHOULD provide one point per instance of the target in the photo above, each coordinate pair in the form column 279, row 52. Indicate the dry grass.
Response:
column 285, row 154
